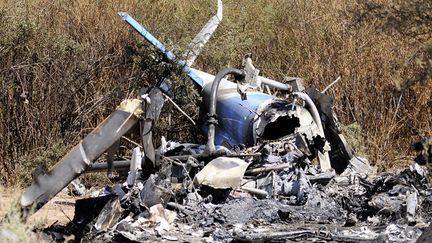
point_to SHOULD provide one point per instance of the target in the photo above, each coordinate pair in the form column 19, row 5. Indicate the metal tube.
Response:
column 324, row 159
column 103, row 166
column 255, row 191
column 212, row 120
column 257, row 171
column 275, row 84
column 314, row 111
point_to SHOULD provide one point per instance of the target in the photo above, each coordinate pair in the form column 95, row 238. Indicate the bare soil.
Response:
column 59, row 210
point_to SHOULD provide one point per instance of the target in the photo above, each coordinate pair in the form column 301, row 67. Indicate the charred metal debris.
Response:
column 274, row 168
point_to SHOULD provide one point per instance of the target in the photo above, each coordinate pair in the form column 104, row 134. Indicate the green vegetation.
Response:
column 12, row 229
column 45, row 159
column 64, row 65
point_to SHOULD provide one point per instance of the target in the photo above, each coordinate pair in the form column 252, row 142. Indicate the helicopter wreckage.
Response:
column 254, row 180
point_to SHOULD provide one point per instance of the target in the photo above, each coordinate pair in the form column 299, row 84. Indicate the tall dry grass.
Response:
column 64, row 65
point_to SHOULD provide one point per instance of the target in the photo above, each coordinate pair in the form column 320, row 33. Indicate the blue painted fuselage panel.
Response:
column 235, row 117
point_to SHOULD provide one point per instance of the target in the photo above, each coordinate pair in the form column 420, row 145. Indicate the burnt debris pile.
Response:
column 266, row 192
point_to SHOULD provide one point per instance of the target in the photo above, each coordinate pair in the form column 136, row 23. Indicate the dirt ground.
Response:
column 59, row 210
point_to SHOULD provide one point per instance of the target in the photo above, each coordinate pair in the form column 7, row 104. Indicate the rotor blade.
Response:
column 197, row 44
column 156, row 43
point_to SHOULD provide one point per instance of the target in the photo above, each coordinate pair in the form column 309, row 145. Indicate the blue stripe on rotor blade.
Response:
column 155, row 42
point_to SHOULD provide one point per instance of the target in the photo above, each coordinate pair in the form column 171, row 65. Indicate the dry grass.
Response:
column 65, row 64
column 59, row 210
column 12, row 229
